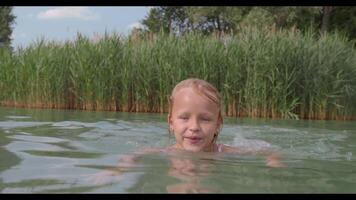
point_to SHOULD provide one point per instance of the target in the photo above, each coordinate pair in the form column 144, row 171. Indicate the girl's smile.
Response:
column 193, row 140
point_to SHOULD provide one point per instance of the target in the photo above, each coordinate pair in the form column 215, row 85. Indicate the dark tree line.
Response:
column 7, row 19
column 229, row 19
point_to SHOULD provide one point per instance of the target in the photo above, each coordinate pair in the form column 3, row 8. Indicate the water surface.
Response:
column 63, row 151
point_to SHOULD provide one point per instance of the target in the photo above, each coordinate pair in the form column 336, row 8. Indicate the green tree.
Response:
column 168, row 19
column 326, row 18
column 300, row 17
column 231, row 19
column 6, row 21
column 343, row 18
column 216, row 19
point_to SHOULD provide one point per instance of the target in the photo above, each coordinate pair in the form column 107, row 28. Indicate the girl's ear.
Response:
column 169, row 121
column 219, row 125
column 169, row 118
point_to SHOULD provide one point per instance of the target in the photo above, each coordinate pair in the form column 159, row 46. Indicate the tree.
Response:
column 214, row 19
column 343, row 18
column 326, row 18
column 6, row 21
column 168, row 19
column 183, row 19
column 230, row 19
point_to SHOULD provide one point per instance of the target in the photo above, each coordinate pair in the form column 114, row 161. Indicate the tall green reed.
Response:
column 278, row 74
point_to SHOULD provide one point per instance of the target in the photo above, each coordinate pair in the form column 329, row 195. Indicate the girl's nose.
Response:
column 194, row 125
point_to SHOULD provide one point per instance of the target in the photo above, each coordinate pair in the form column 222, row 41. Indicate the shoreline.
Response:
column 53, row 106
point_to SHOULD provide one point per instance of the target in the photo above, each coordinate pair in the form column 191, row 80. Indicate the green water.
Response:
column 58, row 151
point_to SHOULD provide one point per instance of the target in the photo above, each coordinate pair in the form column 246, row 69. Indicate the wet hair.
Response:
column 203, row 88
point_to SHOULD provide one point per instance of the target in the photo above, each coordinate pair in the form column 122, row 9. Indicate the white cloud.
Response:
column 82, row 13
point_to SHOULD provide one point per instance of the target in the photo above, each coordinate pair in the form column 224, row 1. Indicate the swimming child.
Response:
column 195, row 119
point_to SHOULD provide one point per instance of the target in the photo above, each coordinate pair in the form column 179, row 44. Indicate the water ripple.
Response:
column 10, row 124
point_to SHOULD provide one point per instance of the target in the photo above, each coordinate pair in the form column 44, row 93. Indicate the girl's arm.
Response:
column 272, row 157
column 125, row 164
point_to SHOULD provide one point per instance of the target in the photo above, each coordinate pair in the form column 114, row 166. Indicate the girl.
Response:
column 195, row 119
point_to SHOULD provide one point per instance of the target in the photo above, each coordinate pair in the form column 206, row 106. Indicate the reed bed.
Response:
column 275, row 74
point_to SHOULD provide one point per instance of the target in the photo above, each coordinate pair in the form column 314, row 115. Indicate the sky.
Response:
column 63, row 23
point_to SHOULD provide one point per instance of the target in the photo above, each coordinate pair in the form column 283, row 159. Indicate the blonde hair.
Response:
column 204, row 89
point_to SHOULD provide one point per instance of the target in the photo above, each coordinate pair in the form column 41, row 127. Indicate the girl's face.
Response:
column 194, row 121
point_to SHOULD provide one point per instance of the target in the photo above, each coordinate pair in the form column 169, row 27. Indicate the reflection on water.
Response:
column 190, row 173
column 45, row 151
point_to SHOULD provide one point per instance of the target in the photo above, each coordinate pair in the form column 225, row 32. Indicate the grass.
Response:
column 279, row 74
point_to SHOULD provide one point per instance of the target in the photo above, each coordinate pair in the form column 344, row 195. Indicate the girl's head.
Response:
column 195, row 114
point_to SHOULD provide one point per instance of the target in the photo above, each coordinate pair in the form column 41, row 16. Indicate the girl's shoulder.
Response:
column 230, row 149
column 148, row 150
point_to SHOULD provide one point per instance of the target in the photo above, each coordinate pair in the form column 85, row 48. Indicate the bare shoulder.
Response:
column 130, row 158
column 272, row 158
column 229, row 149
column 149, row 150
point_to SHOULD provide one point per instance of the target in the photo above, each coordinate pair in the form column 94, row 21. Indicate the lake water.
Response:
column 62, row 151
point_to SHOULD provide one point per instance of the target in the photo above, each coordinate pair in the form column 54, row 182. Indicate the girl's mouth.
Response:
column 193, row 140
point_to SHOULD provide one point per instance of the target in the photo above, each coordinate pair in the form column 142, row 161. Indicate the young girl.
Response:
column 195, row 116
column 195, row 119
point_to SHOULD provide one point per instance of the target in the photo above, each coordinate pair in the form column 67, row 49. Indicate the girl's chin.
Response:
column 192, row 148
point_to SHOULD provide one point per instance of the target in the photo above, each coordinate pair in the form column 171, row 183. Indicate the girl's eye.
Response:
column 183, row 117
column 206, row 119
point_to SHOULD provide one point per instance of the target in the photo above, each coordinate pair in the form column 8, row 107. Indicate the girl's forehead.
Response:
column 188, row 96
column 189, row 92
column 201, row 91
column 198, row 92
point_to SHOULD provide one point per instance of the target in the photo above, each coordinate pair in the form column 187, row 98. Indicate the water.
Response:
column 58, row 151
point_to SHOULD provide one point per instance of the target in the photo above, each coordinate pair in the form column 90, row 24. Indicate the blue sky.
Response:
column 63, row 23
